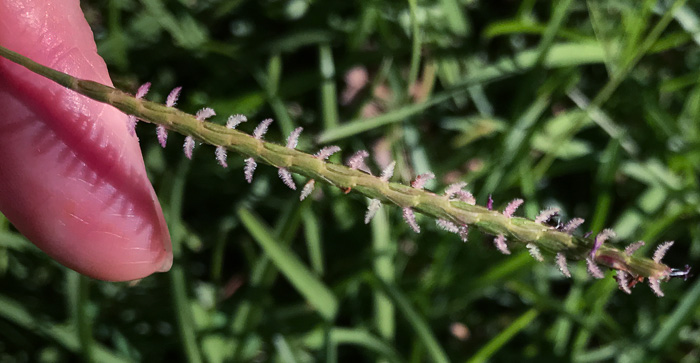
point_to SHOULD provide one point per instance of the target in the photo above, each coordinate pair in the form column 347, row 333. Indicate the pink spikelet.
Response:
column 546, row 215
column 357, row 160
column 447, row 225
column 171, row 100
column 600, row 238
column 623, row 282
column 419, row 182
column 143, row 90
column 188, row 147
column 372, row 209
column 220, row 154
column 286, row 177
column 466, row 197
column 655, row 285
column 326, row 152
column 454, row 188
column 162, row 134
column 249, row 169
column 235, row 120
column 593, row 269
column 388, row 172
column 661, row 251
column 131, row 125
column 489, row 204
column 410, row 219
column 512, row 207
column 463, row 232
column 500, row 243
column 561, row 263
column 308, row 188
column 572, row 225
column 261, row 129
column 204, row 114
column 534, row 252
column 629, row 250
column 293, row 138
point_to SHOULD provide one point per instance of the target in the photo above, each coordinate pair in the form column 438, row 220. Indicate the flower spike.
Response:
column 454, row 188
column 308, row 188
column 500, row 243
column 326, row 152
column 629, row 250
column 293, row 138
column 286, row 177
column 372, row 209
column 162, row 134
column 547, row 214
column 173, row 96
column 410, row 219
column 600, row 238
column 655, row 285
column 447, row 225
column 534, row 252
column 623, row 282
column 188, row 146
column 220, row 154
column 249, row 169
column 143, row 90
column 357, row 160
column 204, row 114
column 419, row 182
column 593, row 269
column 235, row 120
column 572, row 225
column 512, row 207
column 661, row 251
column 388, row 172
column 261, row 129
column 561, row 262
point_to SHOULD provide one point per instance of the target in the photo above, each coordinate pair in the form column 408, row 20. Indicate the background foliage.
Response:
column 589, row 106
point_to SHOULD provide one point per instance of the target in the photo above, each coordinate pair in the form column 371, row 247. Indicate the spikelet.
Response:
column 464, row 232
column 261, row 129
column 547, row 214
column 623, row 282
column 235, row 120
column 286, row 177
column 572, row 225
column 410, row 219
column 326, row 152
column 249, row 169
column 500, row 243
column 171, row 101
column 419, row 182
column 593, row 269
column 308, row 188
column 561, row 263
column 188, row 146
column 293, row 138
column 143, row 90
column 534, row 252
column 162, row 134
column 447, row 225
column 512, row 207
column 655, row 285
column 220, row 154
column 629, row 250
column 453, row 188
column 204, row 114
column 388, row 172
column 661, row 251
column 372, row 209
column 357, row 160
column 489, row 204
column 600, row 238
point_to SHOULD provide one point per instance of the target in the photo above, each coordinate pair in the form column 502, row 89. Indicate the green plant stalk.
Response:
column 515, row 229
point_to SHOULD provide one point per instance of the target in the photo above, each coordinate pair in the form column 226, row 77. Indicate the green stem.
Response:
column 515, row 229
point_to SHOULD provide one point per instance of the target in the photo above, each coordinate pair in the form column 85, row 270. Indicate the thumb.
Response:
column 72, row 178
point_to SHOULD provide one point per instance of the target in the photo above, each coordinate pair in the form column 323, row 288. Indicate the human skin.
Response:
column 72, row 178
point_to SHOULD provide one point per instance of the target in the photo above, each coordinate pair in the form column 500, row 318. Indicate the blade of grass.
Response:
column 495, row 344
column 308, row 285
